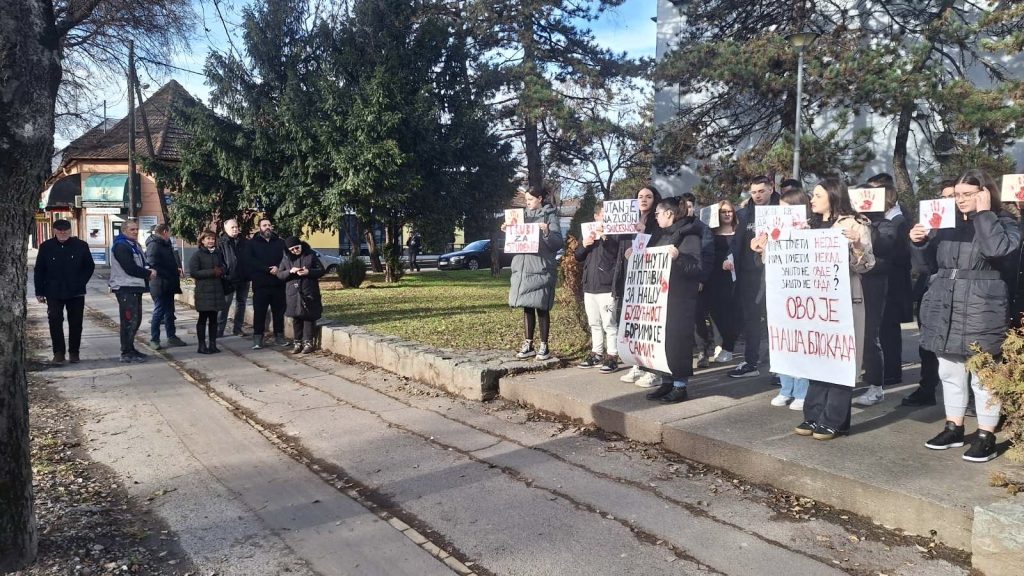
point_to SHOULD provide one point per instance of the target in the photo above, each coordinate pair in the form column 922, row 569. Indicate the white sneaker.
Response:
column 648, row 380
column 873, row 396
column 781, row 400
column 632, row 375
column 797, row 404
column 722, row 357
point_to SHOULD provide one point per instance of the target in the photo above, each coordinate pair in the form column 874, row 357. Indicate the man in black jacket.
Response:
column 161, row 257
column 263, row 252
column 63, row 268
column 236, row 283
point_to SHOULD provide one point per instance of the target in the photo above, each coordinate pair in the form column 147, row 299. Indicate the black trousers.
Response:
column 716, row 303
column 207, row 324
column 875, row 287
column 828, row 404
column 262, row 297
column 303, row 330
column 751, row 293
column 129, row 307
column 55, row 313
column 891, row 336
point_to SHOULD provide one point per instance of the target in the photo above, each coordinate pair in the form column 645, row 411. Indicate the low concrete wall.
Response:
column 997, row 545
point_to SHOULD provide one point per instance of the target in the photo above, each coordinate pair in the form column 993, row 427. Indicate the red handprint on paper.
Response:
column 776, row 233
column 866, row 204
column 1020, row 194
column 935, row 220
column 664, row 284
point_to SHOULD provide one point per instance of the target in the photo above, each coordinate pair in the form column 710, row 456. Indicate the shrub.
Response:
column 393, row 267
column 352, row 272
column 1005, row 379
column 570, row 289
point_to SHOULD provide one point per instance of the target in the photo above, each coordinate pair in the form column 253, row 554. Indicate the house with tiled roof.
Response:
column 90, row 184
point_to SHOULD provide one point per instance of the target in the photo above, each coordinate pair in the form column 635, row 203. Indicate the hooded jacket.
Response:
column 599, row 265
column 534, row 275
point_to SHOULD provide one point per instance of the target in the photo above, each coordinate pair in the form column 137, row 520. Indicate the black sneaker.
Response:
column 661, row 391
column 744, row 370
column 609, row 365
column 126, row 359
column 678, row 394
column 526, row 351
column 822, row 432
column 542, row 351
column 592, row 360
column 983, row 448
column 919, row 397
column 806, row 428
column 952, row 436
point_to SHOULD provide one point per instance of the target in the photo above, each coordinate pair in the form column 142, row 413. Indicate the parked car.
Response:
column 330, row 263
column 473, row 256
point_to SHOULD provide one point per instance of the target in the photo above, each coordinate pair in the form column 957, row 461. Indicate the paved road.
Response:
column 265, row 463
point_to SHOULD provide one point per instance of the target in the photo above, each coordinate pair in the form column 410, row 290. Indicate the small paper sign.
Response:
column 868, row 199
column 515, row 216
column 522, row 239
column 709, row 215
column 938, row 214
column 640, row 242
column 779, row 221
column 621, row 216
column 589, row 228
column 1013, row 188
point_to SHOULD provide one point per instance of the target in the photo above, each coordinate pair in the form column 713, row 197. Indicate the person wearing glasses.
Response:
column 718, row 292
column 967, row 305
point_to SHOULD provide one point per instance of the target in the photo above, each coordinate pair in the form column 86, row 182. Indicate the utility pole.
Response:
column 132, row 176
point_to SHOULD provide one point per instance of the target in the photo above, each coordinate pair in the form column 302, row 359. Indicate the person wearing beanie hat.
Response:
column 301, row 270
column 63, row 267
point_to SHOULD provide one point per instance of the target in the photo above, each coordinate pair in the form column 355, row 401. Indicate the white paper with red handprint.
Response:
column 1013, row 188
column 640, row 242
column 938, row 214
column 868, row 199
column 779, row 221
column 515, row 216
column 588, row 228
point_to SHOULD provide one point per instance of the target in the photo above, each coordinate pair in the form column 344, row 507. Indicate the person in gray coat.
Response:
column 534, row 275
column 967, row 304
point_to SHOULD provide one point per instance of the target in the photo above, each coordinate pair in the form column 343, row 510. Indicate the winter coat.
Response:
column 967, row 301
column 684, row 278
column 707, row 250
column 599, row 261
column 862, row 260
column 534, row 275
column 302, row 293
column 233, row 252
column 207, row 269
column 63, row 269
column 129, row 271
column 161, row 257
column 260, row 255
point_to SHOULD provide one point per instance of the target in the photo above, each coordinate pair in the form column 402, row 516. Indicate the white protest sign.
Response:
column 522, row 239
column 515, row 216
column 1013, row 188
column 810, row 310
column 709, row 216
column 778, row 221
column 868, row 199
column 640, row 242
column 588, row 228
column 641, row 334
column 621, row 216
column 937, row 214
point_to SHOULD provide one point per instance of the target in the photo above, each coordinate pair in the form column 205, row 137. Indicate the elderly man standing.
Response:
column 236, row 283
column 63, row 268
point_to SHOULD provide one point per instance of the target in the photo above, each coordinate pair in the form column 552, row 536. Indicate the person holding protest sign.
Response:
column 704, row 331
column 599, row 254
column 719, row 289
column 966, row 305
column 683, row 236
column 827, row 406
column 648, row 198
column 534, row 276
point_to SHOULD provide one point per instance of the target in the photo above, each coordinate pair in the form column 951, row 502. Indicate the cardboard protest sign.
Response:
column 709, row 215
column 868, row 199
column 810, row 310
column 937, row 214
column 640, row 242
column 642, row 332
column 514, row 216
column 621, row 216
column 588, row 228
column 778, row 221
column 522, row 239
column 1013, row 188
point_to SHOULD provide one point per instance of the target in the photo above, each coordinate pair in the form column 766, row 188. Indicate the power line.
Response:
column 172, row 66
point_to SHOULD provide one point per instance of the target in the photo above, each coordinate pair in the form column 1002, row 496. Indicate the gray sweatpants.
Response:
column 956, row 385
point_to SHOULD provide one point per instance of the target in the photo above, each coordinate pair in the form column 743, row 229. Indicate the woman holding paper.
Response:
column 719, row 291
column 647, row 198
column 534, row 275
column 827, row 405
column 966, row 305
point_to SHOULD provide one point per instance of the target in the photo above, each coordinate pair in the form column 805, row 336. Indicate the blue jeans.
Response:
column 794, row 387
column 163, row 313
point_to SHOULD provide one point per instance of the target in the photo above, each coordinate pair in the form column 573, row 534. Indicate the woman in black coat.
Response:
column 301, row 270
column 967, row 305
column 206, row 267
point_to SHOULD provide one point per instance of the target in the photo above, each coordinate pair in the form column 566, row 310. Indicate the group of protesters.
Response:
column 282, row 273
column 969, row 292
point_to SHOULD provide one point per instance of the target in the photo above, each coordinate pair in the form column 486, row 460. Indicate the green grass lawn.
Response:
column 457, row 309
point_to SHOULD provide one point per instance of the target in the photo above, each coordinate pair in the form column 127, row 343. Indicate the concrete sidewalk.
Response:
column 881, row 470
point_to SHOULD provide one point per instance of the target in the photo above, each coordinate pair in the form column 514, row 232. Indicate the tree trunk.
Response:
column 904, row 185
column 530, row 109
column 371, row 245
column 30, row 74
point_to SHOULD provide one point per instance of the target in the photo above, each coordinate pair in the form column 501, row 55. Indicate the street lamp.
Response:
column 800, row 41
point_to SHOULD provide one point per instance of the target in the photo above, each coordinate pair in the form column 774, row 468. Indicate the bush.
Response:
column 570, row 286
column 1005, row 379
column 394, row 269
column 352, row 272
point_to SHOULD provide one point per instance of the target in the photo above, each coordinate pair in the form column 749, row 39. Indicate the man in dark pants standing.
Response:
column 263, row 252
column 161, row 258
column 750, row 276
column 129, row 280
column 415, row 244
column 236, row 283
column 63, row 268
